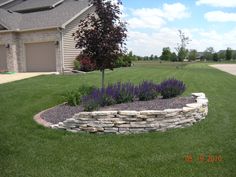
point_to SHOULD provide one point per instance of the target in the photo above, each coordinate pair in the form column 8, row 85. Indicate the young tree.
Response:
column 102, row 35
column 192, row 55
column 182, row 54
column 228, row 54
column 182, row 46
column 166, row 54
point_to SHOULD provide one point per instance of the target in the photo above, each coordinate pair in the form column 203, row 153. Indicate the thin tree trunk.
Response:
column 103, row 77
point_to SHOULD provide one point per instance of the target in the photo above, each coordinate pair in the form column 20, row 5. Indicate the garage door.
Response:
column 40, row 57
column 3, row 57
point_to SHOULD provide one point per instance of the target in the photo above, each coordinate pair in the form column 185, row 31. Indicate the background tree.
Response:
column 215, row 57
column 102, row 36
column 221, row 55
column 174, row 57
column 155, row 57
column 234, row 55
column 152, row 57
column 166, row 54
column 228, row 54
column 192, row 55
column 182, row 46
column 208, row 53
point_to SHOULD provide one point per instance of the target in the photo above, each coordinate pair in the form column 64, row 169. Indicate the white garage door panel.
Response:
column 40, row 57
column 3, row 57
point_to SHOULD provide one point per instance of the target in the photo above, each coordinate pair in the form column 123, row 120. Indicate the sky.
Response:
column 154, row 24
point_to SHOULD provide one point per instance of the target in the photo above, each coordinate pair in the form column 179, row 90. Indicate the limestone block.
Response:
column 188, row 109
column 185, row 121
column 199, row 94
column 153, row 125
column 138, row 124
column 84, row 115
column 202, row 101
column 124, row 126
column 89, row 129
column 104, row 113
column 171, row 120
column 152, row 112
column 111, row 130
column 119, row 122
column 128, row 113
column 172, row 110
column 194, row 105
column 173, row 114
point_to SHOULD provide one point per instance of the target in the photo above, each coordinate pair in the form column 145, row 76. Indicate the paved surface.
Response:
column 229, row 68
column 5, row 78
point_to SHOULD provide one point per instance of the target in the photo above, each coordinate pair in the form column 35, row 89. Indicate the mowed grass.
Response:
column 30, row 150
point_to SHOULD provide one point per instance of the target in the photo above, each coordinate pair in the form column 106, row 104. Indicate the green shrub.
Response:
column 91, row 105
column 76, row 65
column 73, row 98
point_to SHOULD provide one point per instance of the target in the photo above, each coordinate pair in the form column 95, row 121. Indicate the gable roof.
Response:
column 53, row 17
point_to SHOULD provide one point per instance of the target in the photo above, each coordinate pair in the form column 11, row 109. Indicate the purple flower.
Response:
column 171, row 88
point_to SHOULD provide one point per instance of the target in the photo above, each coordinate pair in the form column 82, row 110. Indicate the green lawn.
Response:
column 30, row 150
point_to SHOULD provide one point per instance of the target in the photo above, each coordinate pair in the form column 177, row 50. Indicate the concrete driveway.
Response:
column 5, row 78
column 229, row 68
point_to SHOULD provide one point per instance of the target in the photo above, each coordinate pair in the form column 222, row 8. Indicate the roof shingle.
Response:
column 54, row 17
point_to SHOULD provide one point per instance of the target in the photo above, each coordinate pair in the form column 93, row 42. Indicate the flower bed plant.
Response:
column 113, row 94
column 93, row 98
column 128, row 92
column 171, row 88
column 73, row 98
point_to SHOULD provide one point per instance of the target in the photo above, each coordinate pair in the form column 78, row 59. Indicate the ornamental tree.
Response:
column 182, row 46
column 102, row 35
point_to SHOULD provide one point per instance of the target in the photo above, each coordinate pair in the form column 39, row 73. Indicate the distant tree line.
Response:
column 208, row 54
column 181, row 53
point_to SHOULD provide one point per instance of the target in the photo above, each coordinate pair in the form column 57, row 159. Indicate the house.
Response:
column 36, row 35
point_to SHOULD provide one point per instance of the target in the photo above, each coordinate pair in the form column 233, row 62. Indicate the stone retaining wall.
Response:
column 125, row 122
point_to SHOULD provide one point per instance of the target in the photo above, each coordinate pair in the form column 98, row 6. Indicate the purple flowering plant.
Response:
column 127, row 92
column 171, row 88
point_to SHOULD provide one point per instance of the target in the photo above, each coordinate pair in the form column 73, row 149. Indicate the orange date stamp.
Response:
column 203, row 158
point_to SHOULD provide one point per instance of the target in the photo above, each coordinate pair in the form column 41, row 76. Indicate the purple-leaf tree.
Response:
column 102, row 35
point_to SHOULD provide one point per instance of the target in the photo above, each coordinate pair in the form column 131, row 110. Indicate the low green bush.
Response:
column 73, row 98
column 76, row 65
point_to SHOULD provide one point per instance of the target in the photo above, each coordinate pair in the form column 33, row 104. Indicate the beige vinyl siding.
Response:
column 70, row 52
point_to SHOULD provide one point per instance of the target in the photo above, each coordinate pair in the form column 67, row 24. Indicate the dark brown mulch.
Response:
column 63, row 112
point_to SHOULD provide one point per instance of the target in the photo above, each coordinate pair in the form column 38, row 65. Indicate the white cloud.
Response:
column 142, row 43
column 219, row 16
column 217, row 3
column 156, row 17
column 175, row 11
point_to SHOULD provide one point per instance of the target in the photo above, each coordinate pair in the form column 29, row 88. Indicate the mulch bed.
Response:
column 63, row 112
